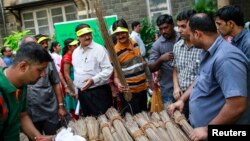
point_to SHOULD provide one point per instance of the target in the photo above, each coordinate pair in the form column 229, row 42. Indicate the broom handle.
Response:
column 110, row 48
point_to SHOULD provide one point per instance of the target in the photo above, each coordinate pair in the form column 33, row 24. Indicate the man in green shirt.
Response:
column 28, row 66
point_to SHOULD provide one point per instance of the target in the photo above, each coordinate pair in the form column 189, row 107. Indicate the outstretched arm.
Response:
column 30, row 130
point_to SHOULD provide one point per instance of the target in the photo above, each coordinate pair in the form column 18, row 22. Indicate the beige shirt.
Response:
column 91, row 62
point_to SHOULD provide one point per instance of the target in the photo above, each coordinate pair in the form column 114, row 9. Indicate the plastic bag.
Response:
column 67, row 135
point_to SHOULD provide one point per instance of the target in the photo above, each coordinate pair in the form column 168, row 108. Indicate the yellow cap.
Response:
column 75, row 42
column 84, row 30
column 42, row 39
column 120, row 29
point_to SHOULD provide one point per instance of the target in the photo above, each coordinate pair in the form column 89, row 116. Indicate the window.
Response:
column 70, row 12
column 42, row 20
column 29, row 23
column 158, row 7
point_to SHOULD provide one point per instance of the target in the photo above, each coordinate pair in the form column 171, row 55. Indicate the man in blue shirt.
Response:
column 230, row 22
column 161, row 55
column 7, row 55
column 220, row 91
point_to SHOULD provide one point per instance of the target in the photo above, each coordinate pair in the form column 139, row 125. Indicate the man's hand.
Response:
column 61, row 111
column 167, row 56
column 88, row 83
column 122, row 88
column 177, row 93
column 178, row 105
column 44, row 138
column 199, row 134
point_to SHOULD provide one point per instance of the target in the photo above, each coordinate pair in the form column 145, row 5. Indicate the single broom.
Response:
column 110, row 47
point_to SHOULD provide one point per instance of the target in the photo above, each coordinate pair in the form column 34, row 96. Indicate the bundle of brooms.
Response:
column 140, row 127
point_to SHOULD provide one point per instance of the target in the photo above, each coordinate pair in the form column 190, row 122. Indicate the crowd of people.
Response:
column 201, row 68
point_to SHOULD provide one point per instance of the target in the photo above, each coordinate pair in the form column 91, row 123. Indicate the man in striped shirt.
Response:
column 133, row 67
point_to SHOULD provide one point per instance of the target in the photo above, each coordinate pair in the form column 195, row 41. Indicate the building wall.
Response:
column 245, row 5
column 130, row 10
column 180, row 5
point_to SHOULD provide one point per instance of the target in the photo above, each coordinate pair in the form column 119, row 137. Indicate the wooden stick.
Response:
column 110, row 47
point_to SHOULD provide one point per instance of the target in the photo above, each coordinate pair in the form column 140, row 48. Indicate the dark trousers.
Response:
column 95, row 101
column 137, row 104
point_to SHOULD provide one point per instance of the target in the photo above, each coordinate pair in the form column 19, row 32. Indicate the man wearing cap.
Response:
column 45, row 98
column 92, row 69
column 129, row 56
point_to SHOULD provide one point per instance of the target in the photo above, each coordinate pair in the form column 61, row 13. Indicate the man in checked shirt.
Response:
column 186, row 59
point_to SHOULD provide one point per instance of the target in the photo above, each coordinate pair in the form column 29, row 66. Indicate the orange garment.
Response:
column 132, row 65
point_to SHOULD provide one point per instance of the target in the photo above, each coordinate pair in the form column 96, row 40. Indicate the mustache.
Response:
column 122, row 38
column 87, row 40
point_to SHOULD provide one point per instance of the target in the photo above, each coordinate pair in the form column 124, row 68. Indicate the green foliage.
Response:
column 13, row 39
column 205, row 6
column 147, row 33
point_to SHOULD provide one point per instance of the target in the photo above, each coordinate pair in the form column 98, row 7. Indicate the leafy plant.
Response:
column 205, row 6
column 147, row 33
column 13, row 39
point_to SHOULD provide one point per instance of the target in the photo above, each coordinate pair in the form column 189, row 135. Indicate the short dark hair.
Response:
column 53, row 44
column 33, row 53
column 162, row 19
column 80, row 26
column 202, row 22
column 134, row 24
column 231, row 12
column 119, row 23
column 3, row 50
column 185, row 15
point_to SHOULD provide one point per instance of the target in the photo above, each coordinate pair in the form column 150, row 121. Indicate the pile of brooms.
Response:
column 140, row 127
column 156, row 126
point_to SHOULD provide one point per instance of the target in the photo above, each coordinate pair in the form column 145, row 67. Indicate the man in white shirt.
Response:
column 92, row 70
column 135, row 35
